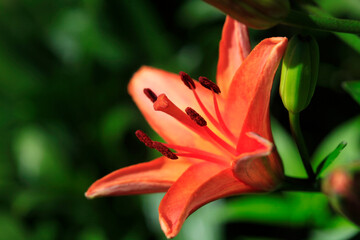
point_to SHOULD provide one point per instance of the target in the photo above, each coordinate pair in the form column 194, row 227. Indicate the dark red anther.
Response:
column 144, row 138
column 150, row 94
column 195, row 117
column 188, row 81
column 164, row 150
column 205, row 82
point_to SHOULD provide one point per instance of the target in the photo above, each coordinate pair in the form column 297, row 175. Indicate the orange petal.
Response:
column 260, row 167
column 200, row 184
column 171, row 130
column 149, row 177
column 247, row 103
column 233, row 49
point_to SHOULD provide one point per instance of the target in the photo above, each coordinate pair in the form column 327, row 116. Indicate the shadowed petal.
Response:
column 200, row 184
column 170, row 84
column 149, row 177
column 260, row 167
column 247, row 103
column 234, row 48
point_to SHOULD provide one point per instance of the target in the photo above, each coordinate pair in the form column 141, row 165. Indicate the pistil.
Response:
column 163, row 104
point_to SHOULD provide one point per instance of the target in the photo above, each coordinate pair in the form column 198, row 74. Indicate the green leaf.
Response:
column 336, row 228
column 330, row 158
column 92, row 233
column 350, row 8
column 197, row 13
column 349, row 132
column 11, row 228
column 350, row 39
column 353, row 88
column 40, row 157
column 287, row 150
column 289, row 209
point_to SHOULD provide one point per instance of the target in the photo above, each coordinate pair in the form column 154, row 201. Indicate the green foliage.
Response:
column 353, row 88
column 330, row 158
column 288, row 151
column 290, row 209
column 66, row 118
column 348, row 132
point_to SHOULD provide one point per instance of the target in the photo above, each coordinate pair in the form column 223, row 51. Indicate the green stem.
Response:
column 350, row 39
column 322, row 23
column 294, row 119
column 300, row 184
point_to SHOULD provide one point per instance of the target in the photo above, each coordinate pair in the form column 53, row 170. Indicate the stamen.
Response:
column 212, row 119
column 221, row 120
column 155, row 145
column 144, row 138
column 165, row 105
column 206, row 83
column 150, row 94
column 164, row 150
column 206, row 112
column 202, row 157
column 195, row 117
column 220, row 124
column 188, row 81
column 221, row 142
column 183, row 151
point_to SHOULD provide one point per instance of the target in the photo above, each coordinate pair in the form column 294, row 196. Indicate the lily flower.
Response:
column 220, row 135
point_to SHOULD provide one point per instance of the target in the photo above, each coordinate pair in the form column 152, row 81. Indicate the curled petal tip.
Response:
column 269, row 146
column 169, row 233
column 92, row 193
column 90, row 196
column 256, row 167
column 280, row 40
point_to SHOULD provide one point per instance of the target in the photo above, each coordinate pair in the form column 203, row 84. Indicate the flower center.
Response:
column 195, row 122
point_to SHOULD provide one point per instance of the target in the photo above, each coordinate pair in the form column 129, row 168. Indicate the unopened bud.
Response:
column 299, row 73
column 342, row 186
column 258, row 14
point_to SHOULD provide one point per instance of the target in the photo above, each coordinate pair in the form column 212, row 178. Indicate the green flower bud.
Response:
column 258, row 14
column 342, row 186
column 299, row 73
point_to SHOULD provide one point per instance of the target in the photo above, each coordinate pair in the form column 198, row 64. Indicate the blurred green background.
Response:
column 66, row 120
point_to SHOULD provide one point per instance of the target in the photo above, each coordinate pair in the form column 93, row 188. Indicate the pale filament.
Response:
column 219, row 124
column 196, row 153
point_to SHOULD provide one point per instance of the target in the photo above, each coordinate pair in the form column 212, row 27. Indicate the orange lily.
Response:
column 223, row 140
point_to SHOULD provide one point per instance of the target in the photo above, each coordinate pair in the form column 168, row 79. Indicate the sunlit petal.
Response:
column 247, row 103
column 200, row 184
column 149, row 177
column 234, row 48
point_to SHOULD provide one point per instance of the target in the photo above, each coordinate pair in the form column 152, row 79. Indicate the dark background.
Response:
column 66, row 119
